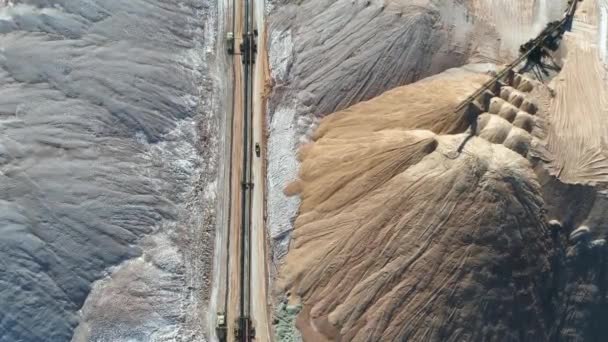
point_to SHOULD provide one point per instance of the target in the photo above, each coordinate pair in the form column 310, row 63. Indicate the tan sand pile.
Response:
column 379, row 156
column 326, row 55
column 398, row 238
column 430, row 105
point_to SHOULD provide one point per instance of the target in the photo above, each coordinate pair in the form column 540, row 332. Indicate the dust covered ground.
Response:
column 108, row 153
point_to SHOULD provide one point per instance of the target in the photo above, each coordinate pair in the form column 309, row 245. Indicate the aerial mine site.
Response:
column 303, row 170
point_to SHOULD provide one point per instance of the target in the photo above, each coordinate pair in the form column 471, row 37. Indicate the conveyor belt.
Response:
column 563, row 25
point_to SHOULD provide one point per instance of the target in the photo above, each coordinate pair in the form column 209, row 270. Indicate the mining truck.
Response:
column 230, row 42
column 220, row 327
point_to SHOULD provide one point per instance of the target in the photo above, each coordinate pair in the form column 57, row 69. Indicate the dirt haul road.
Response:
column 227, row 286
column 227, row 264
column 217, row 302
column 233, row 303
column 259, row 278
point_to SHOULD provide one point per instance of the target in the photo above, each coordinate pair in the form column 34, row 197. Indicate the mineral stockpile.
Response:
column 412, row 226
column 401, row 238
column 326, row 55
column 577, row 128
column 413, row 230
column 102, row 169
column 397, row 235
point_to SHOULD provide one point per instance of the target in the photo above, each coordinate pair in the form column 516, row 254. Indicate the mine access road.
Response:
column 242, row 311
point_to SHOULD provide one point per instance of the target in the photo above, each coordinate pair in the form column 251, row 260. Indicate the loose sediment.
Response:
column 400, row 237
column 575, row 146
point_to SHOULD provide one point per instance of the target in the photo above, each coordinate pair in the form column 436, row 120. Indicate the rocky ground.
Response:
column 108, row 154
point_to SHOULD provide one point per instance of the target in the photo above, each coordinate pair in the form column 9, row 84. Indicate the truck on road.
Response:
column 230, row 42
column 220, row 327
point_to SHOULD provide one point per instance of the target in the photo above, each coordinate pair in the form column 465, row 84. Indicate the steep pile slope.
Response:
column 576, row 121
column 430, row 105
column 326, row 55
column 400, row 238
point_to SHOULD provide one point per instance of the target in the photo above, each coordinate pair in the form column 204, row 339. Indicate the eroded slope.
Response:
column 101, row 122
column 400, row 237
column 576, row 122
column 327, row 55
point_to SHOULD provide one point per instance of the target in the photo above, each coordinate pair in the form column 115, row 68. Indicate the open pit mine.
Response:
column 303, row 170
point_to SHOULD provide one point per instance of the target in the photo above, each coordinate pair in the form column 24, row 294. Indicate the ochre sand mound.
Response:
column 400, row 238
column 429, row 104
